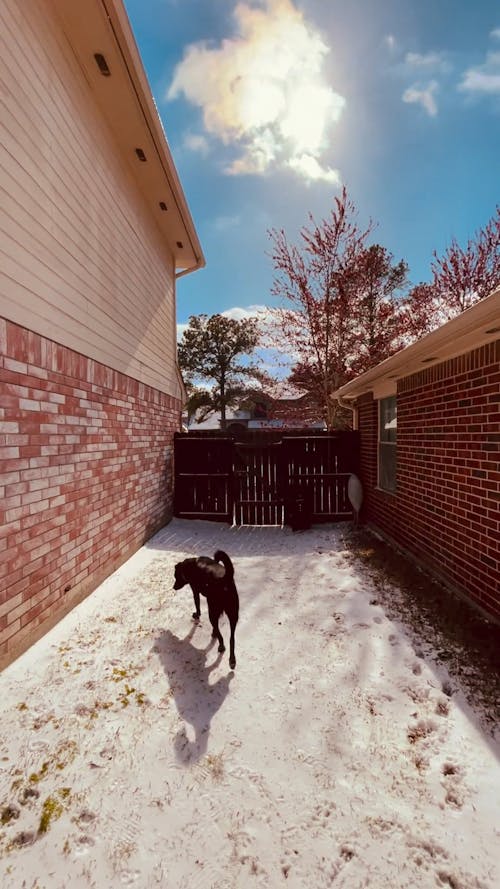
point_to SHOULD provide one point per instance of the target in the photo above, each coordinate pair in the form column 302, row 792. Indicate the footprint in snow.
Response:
column 82, row 845
column 128, row 877
column 420, row 730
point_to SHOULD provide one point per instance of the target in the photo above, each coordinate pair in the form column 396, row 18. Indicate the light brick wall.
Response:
column 446, row 511
column 85, row 478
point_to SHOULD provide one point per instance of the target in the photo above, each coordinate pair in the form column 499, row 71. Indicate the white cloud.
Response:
column 390, row 42
column 262, row 313
column 495, row 34
column 307, row 166
column 238, row 314
column 484, row 80
column 263, row 91
column 197, row 142
column 224, row 223
column 431, row 61
column 424, row 96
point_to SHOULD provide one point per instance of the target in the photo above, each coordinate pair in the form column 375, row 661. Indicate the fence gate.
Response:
column 257, row 488
column 257, row 481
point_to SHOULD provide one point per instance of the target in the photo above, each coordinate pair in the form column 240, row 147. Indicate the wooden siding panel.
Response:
column 82, row 260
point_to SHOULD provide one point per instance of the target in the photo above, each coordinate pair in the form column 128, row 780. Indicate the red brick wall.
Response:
column 446, row 510
column 85, row 478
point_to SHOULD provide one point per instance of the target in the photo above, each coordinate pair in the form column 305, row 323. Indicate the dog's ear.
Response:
column 180, row 579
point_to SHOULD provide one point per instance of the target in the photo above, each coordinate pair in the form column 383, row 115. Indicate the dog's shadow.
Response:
column 196, row 699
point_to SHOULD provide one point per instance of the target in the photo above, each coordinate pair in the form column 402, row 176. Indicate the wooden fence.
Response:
column 257, row 480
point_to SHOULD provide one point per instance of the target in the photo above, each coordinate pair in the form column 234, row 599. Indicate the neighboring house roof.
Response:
column 475, row 327
column 212, row 421
column 100, row 35
column 285, row 413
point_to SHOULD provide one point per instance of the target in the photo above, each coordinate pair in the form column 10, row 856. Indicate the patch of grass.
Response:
column 91, row 713
column 52, row 809
column 124, row 698
column 35, row 777
column 215, row 763
column 120, row 674
column 8, row 814
column 64, row 753
column 117, row 675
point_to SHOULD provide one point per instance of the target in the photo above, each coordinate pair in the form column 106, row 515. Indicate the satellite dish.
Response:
column 355, row 494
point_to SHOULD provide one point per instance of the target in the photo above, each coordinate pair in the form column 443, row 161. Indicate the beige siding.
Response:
column 81, row 258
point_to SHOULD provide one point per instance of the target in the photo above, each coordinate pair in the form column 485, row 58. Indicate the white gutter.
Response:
column 124, row 36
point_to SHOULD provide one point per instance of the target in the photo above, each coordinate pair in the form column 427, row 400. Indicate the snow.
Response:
column 331, row 755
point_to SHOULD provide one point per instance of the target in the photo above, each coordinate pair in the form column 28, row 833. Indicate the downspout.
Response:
column 350, row 407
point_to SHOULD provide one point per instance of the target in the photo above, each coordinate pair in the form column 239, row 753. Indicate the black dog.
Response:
column 215, row 581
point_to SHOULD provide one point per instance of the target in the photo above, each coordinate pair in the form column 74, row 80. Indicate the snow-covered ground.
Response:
column 336, row 754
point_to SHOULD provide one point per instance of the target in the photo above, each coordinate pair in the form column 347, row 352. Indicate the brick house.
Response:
column 429, row 422
column 264, row 412
column 95, row 231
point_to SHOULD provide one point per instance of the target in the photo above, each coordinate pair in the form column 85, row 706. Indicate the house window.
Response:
column 388, row 425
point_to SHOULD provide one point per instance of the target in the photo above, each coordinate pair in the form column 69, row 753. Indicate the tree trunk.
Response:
column 223, row 404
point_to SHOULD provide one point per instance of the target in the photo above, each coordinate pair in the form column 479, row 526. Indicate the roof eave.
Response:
column 471, row 329
column 125, row 98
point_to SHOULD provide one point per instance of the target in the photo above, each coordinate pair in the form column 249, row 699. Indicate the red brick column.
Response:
column 85, row 478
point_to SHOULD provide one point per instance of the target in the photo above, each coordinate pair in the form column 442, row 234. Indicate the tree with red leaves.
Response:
column 378, row 322
column 317, row 279
column 461, row 277
column 381, row 319
column 464, row 276
column 423, row 311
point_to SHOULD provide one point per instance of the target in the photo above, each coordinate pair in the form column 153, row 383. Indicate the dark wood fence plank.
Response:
column 203, row 477
column 317, row 467
column 257, row 499
column 257, row 481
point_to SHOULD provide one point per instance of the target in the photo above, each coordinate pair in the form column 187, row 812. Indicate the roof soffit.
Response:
column 124, row 97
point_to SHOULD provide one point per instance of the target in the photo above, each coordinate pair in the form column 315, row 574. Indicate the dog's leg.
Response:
column 214, row 615
column 196, row 597
column 232, row 659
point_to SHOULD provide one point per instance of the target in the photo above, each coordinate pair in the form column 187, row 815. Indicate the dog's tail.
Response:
column 221, row 556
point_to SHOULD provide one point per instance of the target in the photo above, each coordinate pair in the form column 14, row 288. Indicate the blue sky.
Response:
column 269, row 106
